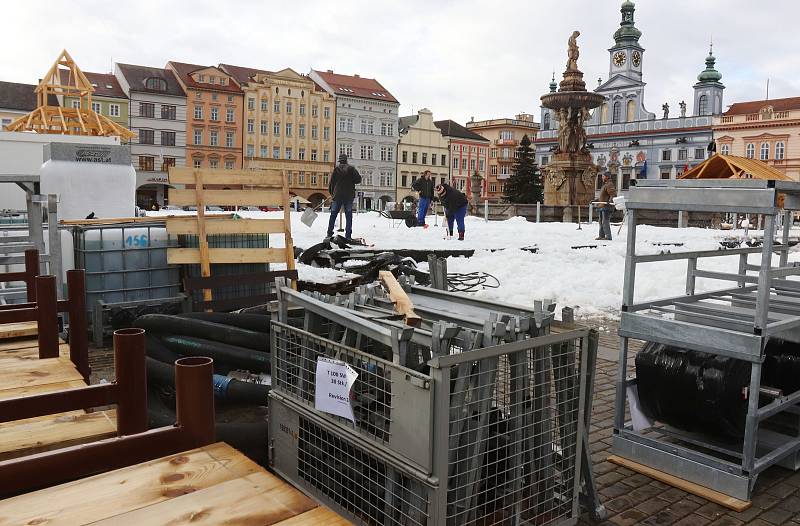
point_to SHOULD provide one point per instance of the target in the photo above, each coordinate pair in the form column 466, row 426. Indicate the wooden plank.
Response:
column 266, row 178
column 202, row 240
column 402, row 303
column 120, row 491
column 191, row 256
column 40, row 388
column 114, row 220
column 709, row 494
column 46, row 371
column 19, row 344
column 44, row 433
column 215, row 225
column 18, row 330
column 288, row 243
column 12, row 357
column 227, row 197
column 315, row 517
column 259, row 498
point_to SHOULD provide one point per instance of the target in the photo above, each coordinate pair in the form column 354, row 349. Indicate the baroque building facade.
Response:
column 421, row 147
column 625, row 139
column 367, row 132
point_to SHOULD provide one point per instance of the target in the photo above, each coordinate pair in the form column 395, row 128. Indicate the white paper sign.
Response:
column 334, row 381
column 638, row 418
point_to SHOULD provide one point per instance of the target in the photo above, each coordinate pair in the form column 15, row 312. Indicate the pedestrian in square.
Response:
column 342, row 188
column 425, row 186
column 455, row 208
column 606, row 207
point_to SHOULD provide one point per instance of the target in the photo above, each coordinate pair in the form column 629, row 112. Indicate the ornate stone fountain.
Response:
column 569, row 178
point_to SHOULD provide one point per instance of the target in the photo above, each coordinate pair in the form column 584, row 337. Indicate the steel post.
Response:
column 54, row 240
column 78, row 328
column 539, row 212
column 47, row 316
column 195, row 399
column 131, row 379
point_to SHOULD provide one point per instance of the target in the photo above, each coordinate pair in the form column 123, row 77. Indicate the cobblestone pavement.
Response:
column 631, row 498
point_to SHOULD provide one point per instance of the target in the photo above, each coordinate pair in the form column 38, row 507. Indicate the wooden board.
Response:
column 217, row 225
column 34, row 435
column 316, row 517
column 227, row 197
column 211, row 485
column 402, row 303
column 709, row 494
column 191, row 256
column 40, row 388
column 38, row 372
column 27, row 354
column 265, row 178
column 18, row 330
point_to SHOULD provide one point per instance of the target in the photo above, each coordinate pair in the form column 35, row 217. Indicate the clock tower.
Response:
column 626, row 55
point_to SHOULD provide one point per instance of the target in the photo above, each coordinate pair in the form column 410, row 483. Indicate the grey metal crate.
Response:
column 508, row 425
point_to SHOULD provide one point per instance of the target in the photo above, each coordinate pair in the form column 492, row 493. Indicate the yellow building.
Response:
column 422, row 147
column 768, row 130
column 288, row 122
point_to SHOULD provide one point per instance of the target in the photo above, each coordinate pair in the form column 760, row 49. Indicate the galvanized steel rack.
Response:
column 477, row 422
column 735, row 321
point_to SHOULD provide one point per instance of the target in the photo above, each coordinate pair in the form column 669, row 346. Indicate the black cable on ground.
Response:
column 471, row 281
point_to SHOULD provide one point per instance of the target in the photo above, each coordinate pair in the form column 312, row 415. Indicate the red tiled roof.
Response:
column 241, row 74
column 184, row 71
column 104, row 84
column 356, row 86
column 754, row 106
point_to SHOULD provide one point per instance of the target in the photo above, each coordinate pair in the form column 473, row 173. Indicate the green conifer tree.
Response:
column 525, row 184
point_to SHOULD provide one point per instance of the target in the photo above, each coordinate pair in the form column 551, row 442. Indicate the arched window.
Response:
column 702, row 105
column 276, row 90
column 631, row 111
column 546, row 120
column 750, row 150
column 617, row 112
column 726, row 149
column 780, row 150
column 764, row 152
column 604, row 114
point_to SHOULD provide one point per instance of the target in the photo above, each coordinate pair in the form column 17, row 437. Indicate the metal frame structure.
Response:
column 735, row 321
column 425, row 445
column 13, row 245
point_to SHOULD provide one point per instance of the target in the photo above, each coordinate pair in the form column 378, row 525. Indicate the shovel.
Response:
column 310, row 215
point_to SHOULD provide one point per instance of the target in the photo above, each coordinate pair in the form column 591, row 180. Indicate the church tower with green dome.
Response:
column 709, row 88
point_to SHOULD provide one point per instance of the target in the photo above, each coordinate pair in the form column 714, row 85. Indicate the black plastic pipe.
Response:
column 251, row 322
column 171, row 325
column 230, row 355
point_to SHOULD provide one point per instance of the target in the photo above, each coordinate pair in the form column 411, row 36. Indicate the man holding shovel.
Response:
column 342, row 188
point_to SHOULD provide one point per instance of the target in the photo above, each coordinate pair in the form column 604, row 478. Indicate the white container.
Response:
column 89, row 178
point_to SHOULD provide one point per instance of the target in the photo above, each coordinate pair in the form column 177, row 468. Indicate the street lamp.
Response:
column 476, row 181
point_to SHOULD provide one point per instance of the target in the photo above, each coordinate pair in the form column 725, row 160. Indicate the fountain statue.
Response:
column 570, row 177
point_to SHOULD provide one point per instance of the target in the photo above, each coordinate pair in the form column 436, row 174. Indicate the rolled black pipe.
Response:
column 156, row 350
column 231, row 355
column 163, row 324
column 251, row 322
column 247, row 393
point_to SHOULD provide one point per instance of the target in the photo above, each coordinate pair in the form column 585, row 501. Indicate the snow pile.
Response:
column 589, row 279
column 324, row 276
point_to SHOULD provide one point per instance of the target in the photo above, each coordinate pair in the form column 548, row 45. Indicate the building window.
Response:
column 251, row 103
column 302, row 109
column 251, row 151
column 198, row 111
column 480, row 165
column 263, row 152
column 276, row 152
column 326, row 112
column 726, row 149
column 146, row 137
column 301, row 154
column 276, row 128
column 167, row 138
column 702, row 105
column 780, row 150
column 493, row 153
column 617, row 112
column 301, row 178
column 288, row 129
column 666, row 155
column 433, row 159
column 147, row 163
column 314, row 179
column 313, row 155
column 494, row 169
column 665, row 174
column 166, row 162
column 251, row 126
column 214, row 113
column 506, row 153
column 545, row 160
column 198, row 95
column 455, row 163
column 699, row 153
column 314, row 132
column 444, row 159
column 76, row 104
column 326, row 157
column 229, row 164
column 230, row 98
column 367, row 127
column 196, row 163
column 387, row 129
column 414, row 157
column 314, row 110
column 750, row 150
column 288, row 107
column 168, row 112
column 326, row 133
column 507, row 135
column 276, row 106
column 213, row 139
column 229, row 115
column 146, row 109
column 229, row 139
column 386, row 153
column 493, row 187
column 404, row 180
column 96, row 107
column 405, row 156
column 764, row 152
column 264, row 105
column 213, row 164
column 424, row 158
column 546, row 121
column 682, row 155
column 156, row 84
column 366, row 151
column 264, row 128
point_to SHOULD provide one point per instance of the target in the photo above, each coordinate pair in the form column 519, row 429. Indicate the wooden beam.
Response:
column 225, row 225
column 402, row 303
column 287, row 227
column 265, row 178
column 205, row 264
column 227, row 197
column 191, row 256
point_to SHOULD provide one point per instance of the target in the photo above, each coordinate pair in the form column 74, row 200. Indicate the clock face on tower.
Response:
column 619, row 58
column 636, row 58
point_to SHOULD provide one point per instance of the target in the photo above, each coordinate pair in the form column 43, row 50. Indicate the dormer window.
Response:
column 223, row 81
column 109, row 86
column 94, row 84
column 155, row 83
column 201, row 78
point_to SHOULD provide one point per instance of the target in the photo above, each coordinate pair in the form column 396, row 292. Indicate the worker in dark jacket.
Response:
column 342, row 188
column 425, row 186
column 455, row 207
column 606, row 207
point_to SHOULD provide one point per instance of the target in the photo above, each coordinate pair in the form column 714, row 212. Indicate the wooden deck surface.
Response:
column 211, row 485
column 22, row 373
column 18, row 330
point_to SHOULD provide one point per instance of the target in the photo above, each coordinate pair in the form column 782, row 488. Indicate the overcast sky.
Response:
column 459, row 58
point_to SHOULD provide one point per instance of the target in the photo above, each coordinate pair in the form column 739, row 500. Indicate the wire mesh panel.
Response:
column 344, row 474
column 392, row 405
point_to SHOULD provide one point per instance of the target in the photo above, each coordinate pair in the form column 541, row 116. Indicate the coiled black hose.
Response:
column 223, row 354
column 251, row 322
column 172, row 325
column 471, row 281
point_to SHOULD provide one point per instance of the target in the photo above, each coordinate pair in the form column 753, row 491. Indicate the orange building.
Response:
column 768, row 130
column 505, row 136
column 214, row 105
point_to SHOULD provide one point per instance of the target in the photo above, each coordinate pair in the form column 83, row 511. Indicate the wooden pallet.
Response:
column 22, row 329
column 211, row 485
column 253, row 188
